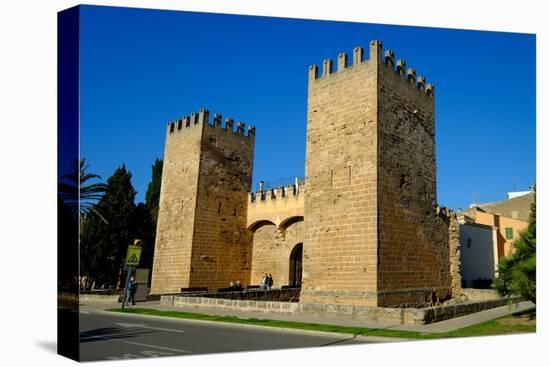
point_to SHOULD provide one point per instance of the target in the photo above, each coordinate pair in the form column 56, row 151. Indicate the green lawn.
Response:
column 512, row 324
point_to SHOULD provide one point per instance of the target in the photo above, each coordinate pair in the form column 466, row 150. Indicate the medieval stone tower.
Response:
column 202, row 240
column 363, row 228
column 373, row 233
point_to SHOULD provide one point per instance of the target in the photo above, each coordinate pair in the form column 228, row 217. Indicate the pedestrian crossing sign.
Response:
column 132, row 255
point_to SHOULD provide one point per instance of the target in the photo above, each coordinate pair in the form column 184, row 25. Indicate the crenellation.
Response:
column 358, row 55
column 252, row 130
column 203, row 116
column 202, row 119
column 421, row 83
column 229, row 124
column 217, row 120
column 401, row 67
column 327, row 67
column 342, row 61
column 278, row 192
column 389, row 59
column 430, row 89
column 194, row 118
column 313, row 70
column 240, row 128
column 376, row 51
column 411, row 75
column 281, row 192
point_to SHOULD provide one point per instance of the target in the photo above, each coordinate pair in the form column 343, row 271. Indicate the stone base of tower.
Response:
column 417, row 297
column 356, row 298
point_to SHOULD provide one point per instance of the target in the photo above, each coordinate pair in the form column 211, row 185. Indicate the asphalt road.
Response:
column 110, row 336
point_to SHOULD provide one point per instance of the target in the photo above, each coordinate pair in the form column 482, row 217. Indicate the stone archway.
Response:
column 295, row 266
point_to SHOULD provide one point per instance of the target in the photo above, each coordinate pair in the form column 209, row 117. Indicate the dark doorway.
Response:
column 295, row 268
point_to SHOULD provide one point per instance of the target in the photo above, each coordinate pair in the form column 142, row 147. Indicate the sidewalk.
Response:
column 439, row 327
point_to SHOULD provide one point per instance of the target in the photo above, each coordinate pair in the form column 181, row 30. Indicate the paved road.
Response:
column 105, row 335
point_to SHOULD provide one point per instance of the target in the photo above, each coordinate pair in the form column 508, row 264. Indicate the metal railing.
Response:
column 280, row 182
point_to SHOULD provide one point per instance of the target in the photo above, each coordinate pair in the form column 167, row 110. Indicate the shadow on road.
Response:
column 109, row 333
column 338, row 341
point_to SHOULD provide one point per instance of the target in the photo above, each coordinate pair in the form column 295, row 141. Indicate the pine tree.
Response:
column 152, row 196
column 104, row 244
column 517, row 271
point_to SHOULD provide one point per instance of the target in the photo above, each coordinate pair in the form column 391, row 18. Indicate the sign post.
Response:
column 133, row 254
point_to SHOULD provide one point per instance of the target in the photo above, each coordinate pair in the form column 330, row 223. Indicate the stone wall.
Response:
column 221, row 243
column 373, row 233
column 276, row 206
column 413, row 250
column 271, row 251
column 324, row 311
column 178, row 197
column 340, row 200
column 202, row 240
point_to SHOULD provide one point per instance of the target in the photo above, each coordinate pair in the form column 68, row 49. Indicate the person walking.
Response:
column 269, row 281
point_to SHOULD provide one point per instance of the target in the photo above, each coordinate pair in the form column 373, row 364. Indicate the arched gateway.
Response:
column 295, row 266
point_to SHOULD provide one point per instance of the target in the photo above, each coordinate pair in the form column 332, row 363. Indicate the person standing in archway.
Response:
column 269, row 281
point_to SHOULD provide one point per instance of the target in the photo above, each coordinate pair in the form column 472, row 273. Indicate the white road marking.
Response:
column 146, row 353
column 105, row 337
column 153, row 346
column 127, row 325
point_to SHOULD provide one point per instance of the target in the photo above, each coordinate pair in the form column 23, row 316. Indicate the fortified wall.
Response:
column 373, row 233
column 364, row 229
column 202, row 237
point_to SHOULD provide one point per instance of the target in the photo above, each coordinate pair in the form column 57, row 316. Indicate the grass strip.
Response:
column 492, row 327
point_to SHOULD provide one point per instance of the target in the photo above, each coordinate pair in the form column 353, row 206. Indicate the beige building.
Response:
column 363, row 228
column 509, row 216
column 487, row 232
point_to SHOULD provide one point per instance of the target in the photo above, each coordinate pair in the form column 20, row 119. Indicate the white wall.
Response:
column 478, row 257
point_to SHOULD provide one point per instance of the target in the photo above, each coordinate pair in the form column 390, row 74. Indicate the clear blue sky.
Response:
column 142, row 68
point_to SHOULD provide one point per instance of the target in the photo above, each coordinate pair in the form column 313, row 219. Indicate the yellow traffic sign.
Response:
column 132, row 255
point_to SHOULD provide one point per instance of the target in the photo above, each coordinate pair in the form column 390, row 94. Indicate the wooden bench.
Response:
column 194, row 290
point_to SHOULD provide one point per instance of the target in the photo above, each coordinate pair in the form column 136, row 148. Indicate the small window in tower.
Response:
column 509, row 233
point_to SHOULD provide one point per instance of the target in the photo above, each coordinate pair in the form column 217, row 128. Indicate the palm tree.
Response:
column 79, row 196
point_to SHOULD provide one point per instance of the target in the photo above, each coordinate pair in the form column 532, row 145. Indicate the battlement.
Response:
column 388, row 59
column 202, row 118
column 277, row 193
column 444, row 212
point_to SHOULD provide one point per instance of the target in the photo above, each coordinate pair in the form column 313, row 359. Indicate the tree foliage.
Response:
column 152, row 196
column 77, row 193
column 104, row 243
column 517, row 271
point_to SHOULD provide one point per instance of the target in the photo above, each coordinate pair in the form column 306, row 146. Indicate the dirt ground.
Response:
column 528, row 317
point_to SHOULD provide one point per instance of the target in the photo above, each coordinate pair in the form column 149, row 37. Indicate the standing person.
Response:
column 131, row 291
column 263, row 283
column 269, row 281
